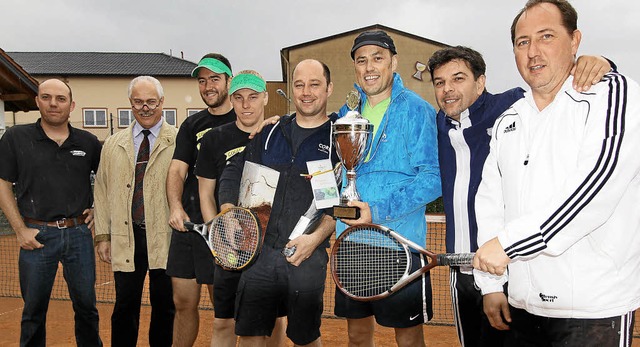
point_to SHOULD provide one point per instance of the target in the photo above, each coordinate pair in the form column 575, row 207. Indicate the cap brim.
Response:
column 368, row 43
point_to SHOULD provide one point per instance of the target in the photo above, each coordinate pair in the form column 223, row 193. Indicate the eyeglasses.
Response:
column 138, row 104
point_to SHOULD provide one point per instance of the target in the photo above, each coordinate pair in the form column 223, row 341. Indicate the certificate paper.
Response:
column 323, row 183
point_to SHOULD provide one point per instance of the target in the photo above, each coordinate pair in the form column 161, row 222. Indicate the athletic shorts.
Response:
column 224, row 295
column 408, row 307
column 190, row 257
column 272, row 288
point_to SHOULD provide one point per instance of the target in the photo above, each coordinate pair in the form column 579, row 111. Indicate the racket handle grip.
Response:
column 456, row 259
column 189, row 225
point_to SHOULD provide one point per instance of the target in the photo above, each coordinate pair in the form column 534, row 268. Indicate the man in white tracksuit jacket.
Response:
column 559, row 201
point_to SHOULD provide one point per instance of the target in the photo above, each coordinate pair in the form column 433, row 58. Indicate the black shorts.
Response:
column 408, row 307
column 190, row 257
column 272, row 288
column 224, row 296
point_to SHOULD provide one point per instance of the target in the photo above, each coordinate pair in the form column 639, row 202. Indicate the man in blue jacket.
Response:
column 396, row 182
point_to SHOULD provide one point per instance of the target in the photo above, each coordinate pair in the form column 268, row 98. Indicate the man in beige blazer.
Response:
column 132, row 212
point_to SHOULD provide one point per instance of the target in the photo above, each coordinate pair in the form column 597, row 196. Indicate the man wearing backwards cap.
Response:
column 249, row 97
column 190, row 263
column 396, row 182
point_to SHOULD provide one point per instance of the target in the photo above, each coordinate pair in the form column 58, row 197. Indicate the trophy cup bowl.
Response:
column 352, row 138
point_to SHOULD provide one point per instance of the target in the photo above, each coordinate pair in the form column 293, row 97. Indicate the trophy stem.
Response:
column 349, row 193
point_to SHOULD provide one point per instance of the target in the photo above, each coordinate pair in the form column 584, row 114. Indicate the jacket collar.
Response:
column 396, row 89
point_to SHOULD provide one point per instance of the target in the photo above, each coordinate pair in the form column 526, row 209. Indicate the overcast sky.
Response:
column 252, row 32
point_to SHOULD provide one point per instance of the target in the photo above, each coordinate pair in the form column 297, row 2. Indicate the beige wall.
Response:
column 181, row 94
column 336, row 54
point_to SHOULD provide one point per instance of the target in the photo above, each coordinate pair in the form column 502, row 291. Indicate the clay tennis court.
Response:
column 439, row 332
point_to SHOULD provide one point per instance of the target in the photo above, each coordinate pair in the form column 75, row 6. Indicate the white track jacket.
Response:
column 561, row 191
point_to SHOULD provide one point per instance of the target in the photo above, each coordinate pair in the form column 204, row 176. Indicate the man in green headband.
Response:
column 190, row 263
column 249, row 97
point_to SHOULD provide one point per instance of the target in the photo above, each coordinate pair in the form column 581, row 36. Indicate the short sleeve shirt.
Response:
column 218, row 147
column 188, row 142
column 52, row 182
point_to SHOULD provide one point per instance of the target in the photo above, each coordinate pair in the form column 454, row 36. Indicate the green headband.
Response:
column 212, row 64
column 249, row 81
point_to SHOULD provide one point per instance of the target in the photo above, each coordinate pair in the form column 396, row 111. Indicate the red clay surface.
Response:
column 60, row 327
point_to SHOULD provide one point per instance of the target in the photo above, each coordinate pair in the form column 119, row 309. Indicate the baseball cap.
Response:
column 378, row 38
column 249, row 81
column 212, row 64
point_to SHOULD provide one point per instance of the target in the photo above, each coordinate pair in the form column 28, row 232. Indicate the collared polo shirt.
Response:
column 52, row 182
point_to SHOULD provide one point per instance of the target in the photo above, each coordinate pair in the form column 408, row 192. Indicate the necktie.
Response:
column 137, row 205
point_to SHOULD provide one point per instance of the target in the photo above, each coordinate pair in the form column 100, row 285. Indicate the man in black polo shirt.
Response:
column 51, row 164
column 190, row 263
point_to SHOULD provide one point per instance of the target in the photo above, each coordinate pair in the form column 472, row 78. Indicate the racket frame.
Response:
column 433, row 260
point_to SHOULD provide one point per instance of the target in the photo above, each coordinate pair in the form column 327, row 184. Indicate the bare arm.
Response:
column 206, row 189
column 26, row 236
column 175, row 186
column 306, row 244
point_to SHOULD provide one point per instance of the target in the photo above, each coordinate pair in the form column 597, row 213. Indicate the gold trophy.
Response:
column 352, row 138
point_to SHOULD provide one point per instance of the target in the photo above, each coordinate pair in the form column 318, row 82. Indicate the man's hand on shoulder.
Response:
column 589, row 70
column 272, row 120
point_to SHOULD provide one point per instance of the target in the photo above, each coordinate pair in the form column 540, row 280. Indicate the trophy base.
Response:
column 344, row 212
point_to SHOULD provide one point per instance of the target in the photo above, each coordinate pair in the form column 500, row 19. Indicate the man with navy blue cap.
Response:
column 396, row 182
column 190, row 263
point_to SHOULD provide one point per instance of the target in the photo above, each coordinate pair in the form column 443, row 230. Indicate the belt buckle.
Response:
column 61, row 223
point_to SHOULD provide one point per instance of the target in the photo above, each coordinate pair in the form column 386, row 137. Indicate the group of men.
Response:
column 542, row 184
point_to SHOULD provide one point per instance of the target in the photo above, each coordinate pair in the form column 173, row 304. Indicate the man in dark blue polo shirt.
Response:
column 50, row 162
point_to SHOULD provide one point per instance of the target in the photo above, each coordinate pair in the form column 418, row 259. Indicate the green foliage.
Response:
column 436, row 206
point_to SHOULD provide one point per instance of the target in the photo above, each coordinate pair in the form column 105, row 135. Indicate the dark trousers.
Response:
column 125, row 319
column 473, row 327
column 73, row 247
column 528, row 330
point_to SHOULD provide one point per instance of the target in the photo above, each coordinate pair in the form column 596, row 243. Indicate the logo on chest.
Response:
column 323, row 148
column 511, row 127
column 78, row 153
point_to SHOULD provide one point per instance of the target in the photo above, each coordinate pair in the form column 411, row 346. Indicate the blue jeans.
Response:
column 74, row 248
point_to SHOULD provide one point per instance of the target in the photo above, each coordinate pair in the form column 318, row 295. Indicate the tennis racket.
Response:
column 234, row 237
column 370, row 262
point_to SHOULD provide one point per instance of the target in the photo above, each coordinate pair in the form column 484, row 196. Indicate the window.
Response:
column 95, row 117
column 170, row 116
column 192, row 111
column 125, row 118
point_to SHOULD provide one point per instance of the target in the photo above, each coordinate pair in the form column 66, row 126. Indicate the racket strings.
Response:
column 370, row 262
column 234, row 238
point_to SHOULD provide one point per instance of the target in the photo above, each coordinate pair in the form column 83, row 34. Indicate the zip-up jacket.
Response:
column 462, row 149
column 561, row 191
column 401, row 176
column 272, row 147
